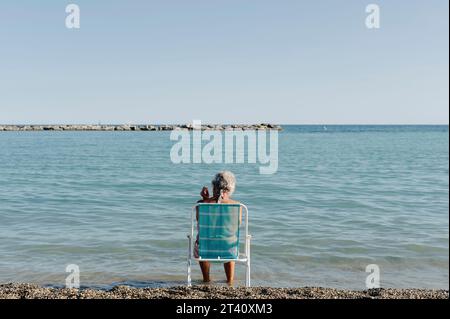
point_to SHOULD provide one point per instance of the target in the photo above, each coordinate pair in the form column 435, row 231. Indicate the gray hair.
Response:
column 224, row 182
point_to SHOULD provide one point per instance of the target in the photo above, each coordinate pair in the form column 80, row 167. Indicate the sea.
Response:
column 346, row 202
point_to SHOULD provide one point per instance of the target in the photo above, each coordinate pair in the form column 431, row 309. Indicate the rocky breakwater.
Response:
column 140, row 127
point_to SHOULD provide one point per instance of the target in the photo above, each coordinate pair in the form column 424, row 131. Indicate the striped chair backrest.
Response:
column 218, row 231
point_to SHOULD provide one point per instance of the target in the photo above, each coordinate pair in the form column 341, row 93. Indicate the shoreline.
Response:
column 32, row 291
column 138, row 127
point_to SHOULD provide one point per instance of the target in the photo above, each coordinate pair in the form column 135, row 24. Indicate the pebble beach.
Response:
column 31, row 291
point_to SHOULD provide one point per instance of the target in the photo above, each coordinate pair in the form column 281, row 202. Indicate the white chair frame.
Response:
column 242, row 258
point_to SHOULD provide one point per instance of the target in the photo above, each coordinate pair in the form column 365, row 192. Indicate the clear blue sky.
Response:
column 227, row 61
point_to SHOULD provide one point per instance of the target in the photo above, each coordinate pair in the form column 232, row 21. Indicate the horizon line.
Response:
column 247, row 123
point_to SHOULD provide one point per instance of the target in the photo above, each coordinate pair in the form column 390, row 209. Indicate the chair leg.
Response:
column 247, row 274
column 189, row 281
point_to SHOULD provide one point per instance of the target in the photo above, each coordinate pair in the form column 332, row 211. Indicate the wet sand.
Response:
column 30, row 291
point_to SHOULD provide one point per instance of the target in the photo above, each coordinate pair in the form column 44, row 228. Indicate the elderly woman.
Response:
column 223, row 184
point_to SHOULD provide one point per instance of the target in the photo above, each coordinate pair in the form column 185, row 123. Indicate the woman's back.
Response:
column 223, row 201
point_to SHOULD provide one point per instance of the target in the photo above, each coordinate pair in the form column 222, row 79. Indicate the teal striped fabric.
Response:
column 218, row 231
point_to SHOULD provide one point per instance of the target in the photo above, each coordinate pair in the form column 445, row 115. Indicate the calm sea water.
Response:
column 114, row 204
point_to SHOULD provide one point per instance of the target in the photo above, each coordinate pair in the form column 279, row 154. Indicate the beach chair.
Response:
column 219, row 231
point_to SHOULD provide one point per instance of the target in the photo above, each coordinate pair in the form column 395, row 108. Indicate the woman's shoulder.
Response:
column 231, row 201
column 212, row 201
column 206, row 201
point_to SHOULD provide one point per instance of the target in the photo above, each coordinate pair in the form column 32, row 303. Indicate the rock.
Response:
column 166, row 127
column 72, row 127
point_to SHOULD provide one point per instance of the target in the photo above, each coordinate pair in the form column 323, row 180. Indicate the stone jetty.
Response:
column 138, row 127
